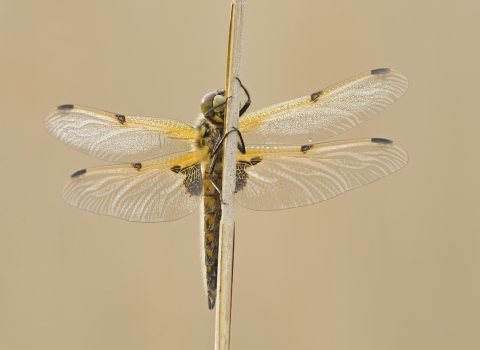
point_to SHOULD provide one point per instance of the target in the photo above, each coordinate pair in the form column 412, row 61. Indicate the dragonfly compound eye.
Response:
column 207, row 102
column 219, row 99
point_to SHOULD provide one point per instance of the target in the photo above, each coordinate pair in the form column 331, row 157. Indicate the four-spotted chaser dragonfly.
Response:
column 169, row 167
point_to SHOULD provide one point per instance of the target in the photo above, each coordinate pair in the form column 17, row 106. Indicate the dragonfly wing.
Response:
column 162, row 189
column 272, row 178
column 324, row 113
column 115, row 137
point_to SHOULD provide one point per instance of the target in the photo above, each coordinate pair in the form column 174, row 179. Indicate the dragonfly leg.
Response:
column 249, row 101
column 240, row 145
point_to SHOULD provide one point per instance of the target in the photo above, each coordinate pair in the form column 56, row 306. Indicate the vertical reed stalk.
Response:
column 227, row 224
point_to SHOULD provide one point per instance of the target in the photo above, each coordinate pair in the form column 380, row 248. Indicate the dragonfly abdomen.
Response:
column 212, row 215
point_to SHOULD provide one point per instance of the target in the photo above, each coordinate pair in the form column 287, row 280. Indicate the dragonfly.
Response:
column 168, row 168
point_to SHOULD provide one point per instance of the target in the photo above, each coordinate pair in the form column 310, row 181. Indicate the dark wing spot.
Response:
column 121, row 118
column 137, row 166
column 316, row 95
column 176, row 169
column 255, row 160
column 193, row 180
column 242, row 176
column 78, row 173
column 305, row 148
column 384, row 141
column 62, row 107
column 380, row 71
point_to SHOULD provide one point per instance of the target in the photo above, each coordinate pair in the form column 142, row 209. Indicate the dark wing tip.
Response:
column 380, row 71
column 120, row 117
column 62, row 107
column 379, row 140
column 78, row 173
column 316, row 95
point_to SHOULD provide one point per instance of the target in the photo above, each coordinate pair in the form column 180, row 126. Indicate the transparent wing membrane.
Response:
column 282, row 177
column 115, row 137
column 163, row 189
column 324, row 113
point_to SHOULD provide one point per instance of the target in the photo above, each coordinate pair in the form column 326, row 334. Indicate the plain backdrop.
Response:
column 392, row 265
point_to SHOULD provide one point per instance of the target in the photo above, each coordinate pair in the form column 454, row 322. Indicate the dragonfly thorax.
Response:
column 207, row 135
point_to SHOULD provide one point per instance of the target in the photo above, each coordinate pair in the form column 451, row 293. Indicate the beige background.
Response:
column 392, row 265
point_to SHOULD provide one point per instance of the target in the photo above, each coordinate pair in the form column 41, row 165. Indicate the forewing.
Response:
column 163, row 189
column 324, row 113
column 282, row 177
column 115, row 137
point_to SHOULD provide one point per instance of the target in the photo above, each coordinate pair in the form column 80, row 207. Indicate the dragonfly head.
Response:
column 209, row 101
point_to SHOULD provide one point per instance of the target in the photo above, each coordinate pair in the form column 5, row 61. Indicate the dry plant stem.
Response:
column 227, row 224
